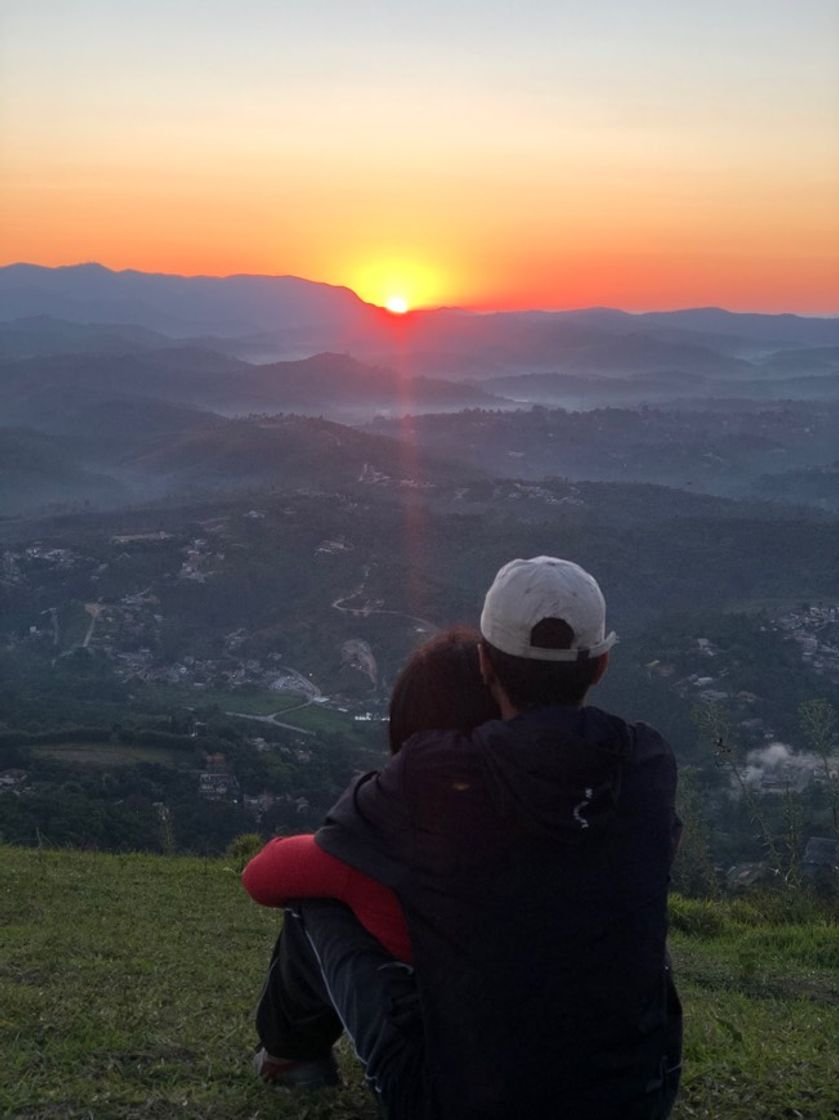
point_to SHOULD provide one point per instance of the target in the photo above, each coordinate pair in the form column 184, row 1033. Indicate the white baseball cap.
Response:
column 526, row 592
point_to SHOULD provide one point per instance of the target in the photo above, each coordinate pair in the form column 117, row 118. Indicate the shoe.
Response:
column 318, row 1073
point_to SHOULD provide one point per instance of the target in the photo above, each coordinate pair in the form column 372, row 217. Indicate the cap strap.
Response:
column 539, row 653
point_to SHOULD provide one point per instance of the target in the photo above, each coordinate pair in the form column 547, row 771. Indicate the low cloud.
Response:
column 778, row 761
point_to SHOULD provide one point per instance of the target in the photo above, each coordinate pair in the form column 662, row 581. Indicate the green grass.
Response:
column 761, row 1004
column 127, row 985
column 317, row 717
column 108, row 754
column 263, row 702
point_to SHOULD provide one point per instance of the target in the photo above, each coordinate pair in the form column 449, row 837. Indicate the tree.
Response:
column 818, row 721
column 693, row 870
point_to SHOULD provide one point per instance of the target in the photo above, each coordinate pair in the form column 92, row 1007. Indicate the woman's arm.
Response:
column 295, row 867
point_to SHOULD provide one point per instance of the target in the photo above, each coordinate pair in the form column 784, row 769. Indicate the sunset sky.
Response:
column 652, row 154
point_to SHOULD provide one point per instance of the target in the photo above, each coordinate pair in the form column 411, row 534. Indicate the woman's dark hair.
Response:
column 440, row 688
column 530, row 683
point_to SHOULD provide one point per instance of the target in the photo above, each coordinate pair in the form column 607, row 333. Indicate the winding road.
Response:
column 367, row 610
column 359, row 612
column 274, row 721
column 310, row 691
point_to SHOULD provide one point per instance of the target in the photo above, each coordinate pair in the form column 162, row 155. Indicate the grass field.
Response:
column 127, row 984
column 311, row 717
column 761, row 1011
column 318, row 717
column 263, row 702
column 108, row 754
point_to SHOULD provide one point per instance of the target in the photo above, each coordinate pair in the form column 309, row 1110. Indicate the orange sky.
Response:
column 499, row 155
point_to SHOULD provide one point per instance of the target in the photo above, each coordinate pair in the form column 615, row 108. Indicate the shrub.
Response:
column 243, row 848
column 784, row 906
column 696, row 916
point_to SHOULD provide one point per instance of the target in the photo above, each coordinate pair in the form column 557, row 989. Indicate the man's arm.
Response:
column 370, row 827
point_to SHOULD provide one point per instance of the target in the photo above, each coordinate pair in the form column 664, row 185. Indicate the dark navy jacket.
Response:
column 532, row 859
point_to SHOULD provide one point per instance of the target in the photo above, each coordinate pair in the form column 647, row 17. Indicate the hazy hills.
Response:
column 137, row 378
column 42, row 335
column 286, row 452
column 817, row 486
column 31, row 388
column 177, row 305
column 37, row 471
column 122, row 452
column 716, row 450
column 288, row 317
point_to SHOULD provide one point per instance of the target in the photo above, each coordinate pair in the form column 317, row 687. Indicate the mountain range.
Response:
column 124, row 386
column 284, row 316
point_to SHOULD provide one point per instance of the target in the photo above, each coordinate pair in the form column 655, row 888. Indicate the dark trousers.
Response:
column 328, row 975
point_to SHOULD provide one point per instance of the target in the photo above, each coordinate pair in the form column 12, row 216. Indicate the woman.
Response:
column 440, row 688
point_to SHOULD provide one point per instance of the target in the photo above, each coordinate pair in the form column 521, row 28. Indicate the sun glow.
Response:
column 400, row 284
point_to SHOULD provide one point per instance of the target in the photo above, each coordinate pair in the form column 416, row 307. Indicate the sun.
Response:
column 398, row 282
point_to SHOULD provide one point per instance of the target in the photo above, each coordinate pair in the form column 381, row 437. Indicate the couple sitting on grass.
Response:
column 486, row 915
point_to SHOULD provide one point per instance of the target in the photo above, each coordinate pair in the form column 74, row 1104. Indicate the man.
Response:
column 532, row 860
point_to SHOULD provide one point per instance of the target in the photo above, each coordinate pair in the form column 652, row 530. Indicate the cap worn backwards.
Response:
column 526, row 592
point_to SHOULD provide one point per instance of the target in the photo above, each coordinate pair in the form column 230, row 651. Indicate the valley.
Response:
column 211, row 570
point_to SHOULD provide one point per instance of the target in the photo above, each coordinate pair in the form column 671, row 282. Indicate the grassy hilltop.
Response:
column 127, row 985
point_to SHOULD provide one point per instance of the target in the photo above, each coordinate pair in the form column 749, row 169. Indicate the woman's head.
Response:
column 440, row 688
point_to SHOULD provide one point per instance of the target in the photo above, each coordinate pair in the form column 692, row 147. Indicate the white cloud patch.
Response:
column 778, row 761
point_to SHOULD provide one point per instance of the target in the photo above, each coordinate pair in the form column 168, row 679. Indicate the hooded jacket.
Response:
column 532, row 859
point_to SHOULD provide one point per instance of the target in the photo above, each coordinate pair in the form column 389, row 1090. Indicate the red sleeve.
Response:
column 294, row 867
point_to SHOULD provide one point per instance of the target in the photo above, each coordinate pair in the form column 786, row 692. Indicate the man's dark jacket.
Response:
column 532, row 859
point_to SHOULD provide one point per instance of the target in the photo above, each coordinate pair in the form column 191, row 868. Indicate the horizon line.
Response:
column 466, row 309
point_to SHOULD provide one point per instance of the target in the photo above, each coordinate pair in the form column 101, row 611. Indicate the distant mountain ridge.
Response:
column 176, row 305
column 32, row 389
column 294, row 317
column 38, row 336
column 119, row 453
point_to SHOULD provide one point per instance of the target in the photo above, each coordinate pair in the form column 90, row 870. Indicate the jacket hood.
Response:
column 556, row 771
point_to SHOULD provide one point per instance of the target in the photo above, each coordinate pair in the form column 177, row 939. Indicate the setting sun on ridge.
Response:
column 399, row 284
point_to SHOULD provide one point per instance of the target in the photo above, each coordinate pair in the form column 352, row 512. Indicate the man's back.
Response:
column 532, row 859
